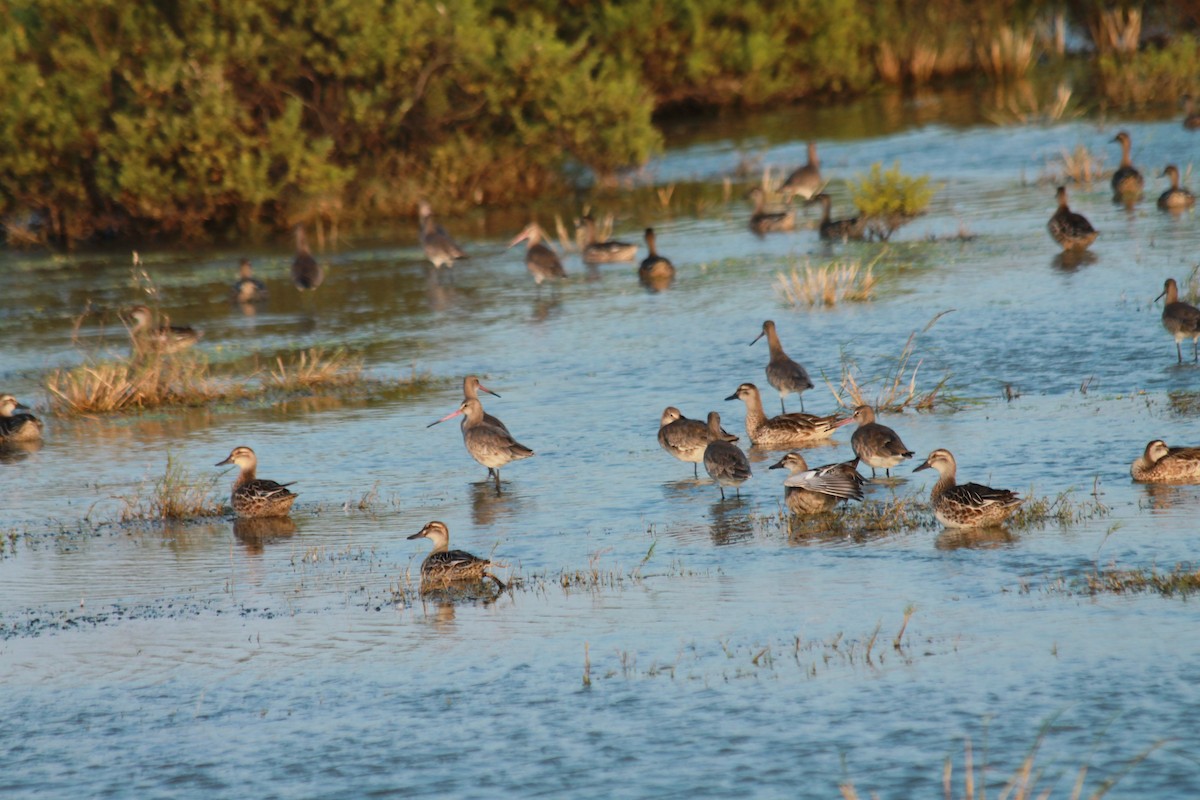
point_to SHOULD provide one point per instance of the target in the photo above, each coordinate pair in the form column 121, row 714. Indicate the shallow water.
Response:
column 204, row 659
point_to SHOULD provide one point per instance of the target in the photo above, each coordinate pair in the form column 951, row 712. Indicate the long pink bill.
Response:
column 451, row 415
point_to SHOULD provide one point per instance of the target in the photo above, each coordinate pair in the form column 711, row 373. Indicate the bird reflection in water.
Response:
column 974, row 538
column 544, row 308
column 730, row 523
column 1072, row 260
column 14, row 452
column 256, row 532
column 1164, row 496
column 487, row 506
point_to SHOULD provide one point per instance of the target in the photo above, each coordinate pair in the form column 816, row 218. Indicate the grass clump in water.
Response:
column 313, row 367
column 890, row 199
column 898, row 388
column 175, row 495
column 1062, row 509
column 829, row 284
column 1182, row 581
column 107, row 386
column 1080, row 165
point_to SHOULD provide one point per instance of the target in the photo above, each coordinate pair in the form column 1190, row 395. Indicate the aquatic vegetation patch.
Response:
column 1182, row 580
column 159, row 381
column 1023, row 782
column 174, row 495
column 1080, row 165
column 1152, row 75
column 897, row 389
column 829, row 284
column 889, row 199
column 314, row 367
column 1063, row 509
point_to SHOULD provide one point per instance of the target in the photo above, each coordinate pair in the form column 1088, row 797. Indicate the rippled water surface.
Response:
column 699, row 650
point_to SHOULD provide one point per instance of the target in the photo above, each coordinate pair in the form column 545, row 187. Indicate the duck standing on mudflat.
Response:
column 966, row 505
column 542, row 262
column 17, row 427
column 783, row 373
column 1127, row 182
column 597, row 251
column 253, row 496
column 306, row 272
column 444, row 565
column 1182, row 320
column 686, row 439
column 439, row 247
column 833, row 230
column 147, row 337
column 1175, row 198
column 491, row 446
column 1162, row 464
column 805, row 181
column 654, row 269
column 1072, row 231
column 248, row 289
column 786, row 430
column 724, row 461
column 762, row 221
column 876, row 445
column 812, row 491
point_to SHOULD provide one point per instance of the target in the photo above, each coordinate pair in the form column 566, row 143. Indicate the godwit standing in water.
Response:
column 17, row 427
column 1072, row 231
column 783, row 373
column 1175, row 198
column 491, row 446
column 542, row 262
column 1162, row 464
column 684, row 438
column 762, row 221
column 655, row 270
column 811, row 491
column 256, row 497
column 1181, row 320
column 471, row 389
column 248, row 288
column 724, row 461
column 444, row 565
column 965, row 505
column 878, row 446
column 1127, row 182
column 439, row 247
column 306, row 272
column 147, row 337
column 786, row 430
column 805, row 181
column 608, row 251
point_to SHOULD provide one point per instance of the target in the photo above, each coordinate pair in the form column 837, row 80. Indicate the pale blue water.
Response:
column 188, row 662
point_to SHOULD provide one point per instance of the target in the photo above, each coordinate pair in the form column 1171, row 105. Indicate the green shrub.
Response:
column 890, row 199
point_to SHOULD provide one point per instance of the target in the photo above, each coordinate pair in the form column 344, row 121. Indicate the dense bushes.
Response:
column 194, row 117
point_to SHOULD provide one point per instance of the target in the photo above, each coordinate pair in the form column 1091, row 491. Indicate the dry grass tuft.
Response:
column 1080, row 166
column 1018, row 104
column 1008, row 54
column 829, row 284
column 313, row 368
column 897, row 390
column 176, row 495
column 103, row 387
column 1062, row 509
column 1182, row 581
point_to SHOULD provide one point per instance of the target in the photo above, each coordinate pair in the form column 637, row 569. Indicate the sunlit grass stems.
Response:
column 313, row 367
column 829, row 284
column 175, row 495
column 1181, row 581
column 897, row 389
column 108, row 386
column 889, row 199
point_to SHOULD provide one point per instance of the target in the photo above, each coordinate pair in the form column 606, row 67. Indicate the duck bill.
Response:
column 21, row 407
column 733, row 396
column 222, row 463
column 779, row 464
column 923, row 466
column 756, row 338
column 419, row 534
column 451, row 415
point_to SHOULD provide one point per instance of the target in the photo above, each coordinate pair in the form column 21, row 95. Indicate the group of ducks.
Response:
column 1073, row 231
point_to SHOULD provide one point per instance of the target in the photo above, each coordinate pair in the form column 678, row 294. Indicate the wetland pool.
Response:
column 658, row 642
